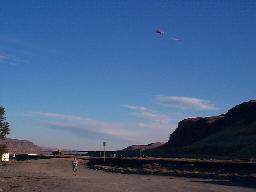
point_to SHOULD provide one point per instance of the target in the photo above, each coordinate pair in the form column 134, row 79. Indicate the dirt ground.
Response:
column 55, row 175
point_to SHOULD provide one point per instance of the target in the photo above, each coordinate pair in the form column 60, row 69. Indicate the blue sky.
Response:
column 76, row 73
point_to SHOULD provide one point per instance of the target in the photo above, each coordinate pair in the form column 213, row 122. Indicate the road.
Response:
column 55, row 175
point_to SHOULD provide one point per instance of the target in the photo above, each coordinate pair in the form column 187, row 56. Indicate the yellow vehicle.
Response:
column 58, row 152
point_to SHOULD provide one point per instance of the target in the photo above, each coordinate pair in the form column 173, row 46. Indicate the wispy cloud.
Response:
column 165, row 127
column 153, row 123
column 2, row 56
column 10, row 59
column 78, row 123
column 185, row 102
column 148, row 114
column 135, row 107
column 58, row 116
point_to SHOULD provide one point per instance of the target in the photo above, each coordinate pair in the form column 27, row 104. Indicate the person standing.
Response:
column 74, row 165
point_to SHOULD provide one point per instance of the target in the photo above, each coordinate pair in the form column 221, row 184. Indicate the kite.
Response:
column 161, row 33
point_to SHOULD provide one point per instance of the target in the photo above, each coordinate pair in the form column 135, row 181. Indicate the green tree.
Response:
column 4, row 128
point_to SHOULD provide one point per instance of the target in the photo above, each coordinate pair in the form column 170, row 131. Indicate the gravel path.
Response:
column 55, row 175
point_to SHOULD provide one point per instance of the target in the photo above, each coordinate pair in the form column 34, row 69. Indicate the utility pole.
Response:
column 104, row 146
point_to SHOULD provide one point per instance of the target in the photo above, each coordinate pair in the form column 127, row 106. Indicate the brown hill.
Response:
column 20, row 146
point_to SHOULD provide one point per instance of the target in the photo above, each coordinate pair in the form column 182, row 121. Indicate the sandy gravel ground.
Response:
column 55, row 175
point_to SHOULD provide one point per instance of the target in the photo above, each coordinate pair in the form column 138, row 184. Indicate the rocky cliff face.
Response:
column 245, row 113
column 20, row 146
column 194, row 130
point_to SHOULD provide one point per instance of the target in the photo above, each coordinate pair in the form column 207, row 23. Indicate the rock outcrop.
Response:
column 192, row 130
column 143, row 147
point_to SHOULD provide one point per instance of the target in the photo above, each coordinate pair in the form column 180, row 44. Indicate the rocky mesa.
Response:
column 233, row 133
